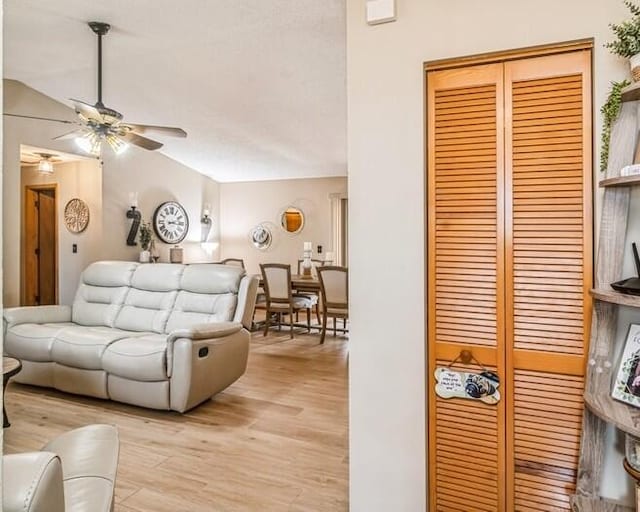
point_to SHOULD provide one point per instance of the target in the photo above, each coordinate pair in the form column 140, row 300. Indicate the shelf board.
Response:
column 584, row 504
column 623, row 416
column 621, row 181
column 631, row 92
column 610, row 295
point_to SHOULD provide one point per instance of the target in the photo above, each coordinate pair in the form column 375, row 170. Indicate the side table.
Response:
column 10, row 366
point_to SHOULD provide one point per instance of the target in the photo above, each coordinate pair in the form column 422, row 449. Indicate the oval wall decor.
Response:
column 76, row 215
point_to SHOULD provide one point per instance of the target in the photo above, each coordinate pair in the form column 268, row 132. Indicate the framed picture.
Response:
column 626, row 386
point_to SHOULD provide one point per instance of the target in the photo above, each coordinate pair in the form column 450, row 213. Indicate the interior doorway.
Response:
column 39, row 255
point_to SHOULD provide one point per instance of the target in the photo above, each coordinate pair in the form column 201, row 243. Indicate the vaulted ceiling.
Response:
column 259, row 85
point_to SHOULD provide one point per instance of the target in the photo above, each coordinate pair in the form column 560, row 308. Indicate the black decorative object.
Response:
column 631, row 285
column 133, row 213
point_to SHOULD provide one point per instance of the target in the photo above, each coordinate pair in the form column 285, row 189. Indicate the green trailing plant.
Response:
column 627, row 43
column 610, row 111
column 145, row 236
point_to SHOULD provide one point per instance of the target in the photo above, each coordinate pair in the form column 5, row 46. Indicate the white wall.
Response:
column 82, row 179
column 386, row 196
column 243, row 205
column 155, row 177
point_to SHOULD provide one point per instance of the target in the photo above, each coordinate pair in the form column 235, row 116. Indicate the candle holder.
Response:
column 306, row 261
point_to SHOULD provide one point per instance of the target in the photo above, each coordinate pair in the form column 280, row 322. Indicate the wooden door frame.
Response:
column 463, row 62
column 23, row 242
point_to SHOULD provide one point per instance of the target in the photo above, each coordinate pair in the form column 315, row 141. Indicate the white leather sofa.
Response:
column 162, row 336
column 75, row 472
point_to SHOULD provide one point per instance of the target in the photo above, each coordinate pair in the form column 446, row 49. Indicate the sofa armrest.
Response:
column 247, row 296
column 206, row 331
column 212, row 333
column 32, row 482
column 36, row 315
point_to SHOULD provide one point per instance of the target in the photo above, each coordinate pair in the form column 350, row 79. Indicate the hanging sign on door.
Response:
column 475, row 386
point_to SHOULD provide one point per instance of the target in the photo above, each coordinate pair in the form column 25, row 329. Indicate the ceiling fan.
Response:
column 103, row 124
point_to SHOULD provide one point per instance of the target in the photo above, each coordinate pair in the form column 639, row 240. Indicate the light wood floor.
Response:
column 276, row 440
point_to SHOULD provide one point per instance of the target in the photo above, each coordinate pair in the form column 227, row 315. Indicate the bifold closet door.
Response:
column 466, row 282
column 548, row 172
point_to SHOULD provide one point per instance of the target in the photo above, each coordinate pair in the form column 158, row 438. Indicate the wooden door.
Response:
column 509, row 272
column 466, row 288
column 548, row 273
column 40, row 246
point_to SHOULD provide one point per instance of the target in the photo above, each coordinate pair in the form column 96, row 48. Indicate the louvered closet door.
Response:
column 466, row 289
column 548, row 273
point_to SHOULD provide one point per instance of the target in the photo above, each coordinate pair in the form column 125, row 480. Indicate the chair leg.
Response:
column 335, row 325
column 318, row 311
column 309, row 320
column 324, row 328
column 267, row 321
column 291, row 322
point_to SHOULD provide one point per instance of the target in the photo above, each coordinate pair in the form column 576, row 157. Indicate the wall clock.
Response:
column 76, row 215
column 170, row 222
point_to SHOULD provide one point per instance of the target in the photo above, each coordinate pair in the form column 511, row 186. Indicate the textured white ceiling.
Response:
column 259, row 85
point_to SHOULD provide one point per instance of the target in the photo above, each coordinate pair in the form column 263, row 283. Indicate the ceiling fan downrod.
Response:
column 100, row 29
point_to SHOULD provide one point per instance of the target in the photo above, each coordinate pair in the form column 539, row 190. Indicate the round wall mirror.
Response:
column 292, row 220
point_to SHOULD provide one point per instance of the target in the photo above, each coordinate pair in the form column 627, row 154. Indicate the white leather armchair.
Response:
column 74, row 472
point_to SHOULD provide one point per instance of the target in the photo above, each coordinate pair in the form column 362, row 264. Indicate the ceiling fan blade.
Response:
column 141, row 141
column 87, row 111
column 160, row 130
column 70, row 135
column 41, row 118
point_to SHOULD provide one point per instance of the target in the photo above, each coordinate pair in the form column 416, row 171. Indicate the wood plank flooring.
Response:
column 276, row 440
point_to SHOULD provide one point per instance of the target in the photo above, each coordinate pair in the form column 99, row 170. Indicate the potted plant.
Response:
column 145, row 238
column 627, row 43
column 610, row 111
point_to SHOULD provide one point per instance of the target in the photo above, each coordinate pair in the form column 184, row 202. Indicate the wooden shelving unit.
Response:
column 601, row 409
column 631, row 92
column 623, row 416
column 599, row 505
column 615, row 297
column 621, row 181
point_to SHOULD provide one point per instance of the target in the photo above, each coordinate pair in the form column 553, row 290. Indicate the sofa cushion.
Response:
column 140, row 358
column 102, row 291
column 83, row 347
column 32, row 342
column 145, row 310
column 211, row 279
column 152, row 295
column 199, row 308
column 160, row 277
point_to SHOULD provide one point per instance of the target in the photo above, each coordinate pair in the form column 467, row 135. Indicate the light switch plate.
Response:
column 381, row 11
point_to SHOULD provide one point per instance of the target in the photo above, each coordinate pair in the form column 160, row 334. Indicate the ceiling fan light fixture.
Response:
column 118, row 145
column 90, row 143
column 44, row 165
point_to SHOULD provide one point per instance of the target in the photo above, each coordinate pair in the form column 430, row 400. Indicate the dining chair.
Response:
column 276, row 279
column 334, row 289
column 316, row 263
column 238, row 262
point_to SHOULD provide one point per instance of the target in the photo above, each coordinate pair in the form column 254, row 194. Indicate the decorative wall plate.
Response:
column 76, row 215
column 261, row 237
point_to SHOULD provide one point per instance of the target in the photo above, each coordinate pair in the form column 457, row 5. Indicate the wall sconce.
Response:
column 45, row 166
column 134, row 214
column 206, row 223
